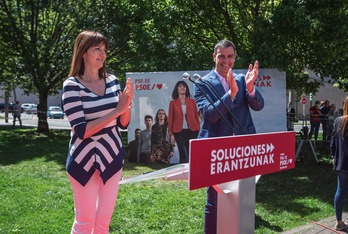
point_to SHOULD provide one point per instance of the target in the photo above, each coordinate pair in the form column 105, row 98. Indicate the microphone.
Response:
column 198, row 77
column 187, row 76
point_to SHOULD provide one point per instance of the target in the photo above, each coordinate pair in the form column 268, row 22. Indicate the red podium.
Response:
column 231, row 165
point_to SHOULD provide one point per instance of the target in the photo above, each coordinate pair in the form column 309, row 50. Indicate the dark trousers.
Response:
column 314, row 129
column 326, row 135
column 183, row 143
column 210, row 211
column 144, row 157
column 341, row 191
column 19, row 119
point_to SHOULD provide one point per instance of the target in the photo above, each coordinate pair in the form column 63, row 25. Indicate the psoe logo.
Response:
column 148, row 86
column 145, row 84
column 284, row 161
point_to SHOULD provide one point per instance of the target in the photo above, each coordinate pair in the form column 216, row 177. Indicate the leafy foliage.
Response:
column 38, row 33
column 304, row 35
column 172, row 35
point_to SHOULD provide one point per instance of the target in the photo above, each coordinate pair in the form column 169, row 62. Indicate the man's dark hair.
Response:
column 148, row 117
column 225, row 44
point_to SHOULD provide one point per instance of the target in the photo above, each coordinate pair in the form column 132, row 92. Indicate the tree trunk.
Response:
column 42, row 125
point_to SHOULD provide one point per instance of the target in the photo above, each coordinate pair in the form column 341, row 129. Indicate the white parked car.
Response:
column 29, row 108
column 26, row 106
column 32, row 110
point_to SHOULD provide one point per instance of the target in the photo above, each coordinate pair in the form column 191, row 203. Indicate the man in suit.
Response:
column 236, row 93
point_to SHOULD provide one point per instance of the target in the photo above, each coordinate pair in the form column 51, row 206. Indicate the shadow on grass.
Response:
column 297, row 191
column 22, row 144
column 259, row 222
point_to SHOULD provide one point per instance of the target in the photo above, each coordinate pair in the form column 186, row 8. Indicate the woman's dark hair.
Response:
column 175, row 93
column 165, row 116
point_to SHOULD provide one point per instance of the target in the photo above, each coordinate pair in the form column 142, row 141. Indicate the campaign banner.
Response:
column 153, row 91
column 223, row 159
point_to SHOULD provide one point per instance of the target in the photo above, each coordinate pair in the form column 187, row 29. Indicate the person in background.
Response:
column 315, row 113
column 331, row 116
column 96, row 108
column 144, row 147
column 133, row 147
column 290, row 117
column 324, row 109
column 340, row 110
column 339, row 152
column 17, row 114
column 183, row 120
column 161, row 149
column 238, row 93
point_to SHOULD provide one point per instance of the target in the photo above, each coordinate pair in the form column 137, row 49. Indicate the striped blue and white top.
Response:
column 103, row 151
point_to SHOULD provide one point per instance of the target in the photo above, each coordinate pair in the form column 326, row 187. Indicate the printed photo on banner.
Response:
column 153, row 92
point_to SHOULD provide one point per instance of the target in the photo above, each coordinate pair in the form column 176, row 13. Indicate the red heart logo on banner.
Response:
column 159, row 86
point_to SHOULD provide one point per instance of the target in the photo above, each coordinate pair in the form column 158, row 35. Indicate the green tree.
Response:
column 306, row 34
column 287, row 35
column 172, row 35
column 233, row 20
column 189, row 29
column 38, row 34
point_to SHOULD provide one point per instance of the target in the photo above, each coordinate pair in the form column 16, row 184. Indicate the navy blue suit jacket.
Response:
column 213, row 124
column 339, row 146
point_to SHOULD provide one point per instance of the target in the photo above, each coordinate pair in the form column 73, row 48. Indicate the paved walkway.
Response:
column 325, row 226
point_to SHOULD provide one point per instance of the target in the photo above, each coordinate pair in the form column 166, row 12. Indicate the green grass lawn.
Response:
column 36, row 196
